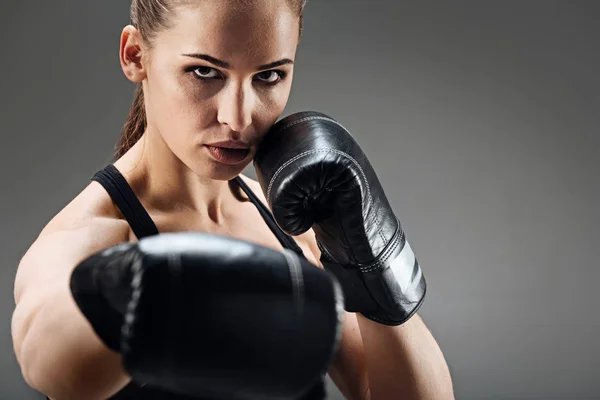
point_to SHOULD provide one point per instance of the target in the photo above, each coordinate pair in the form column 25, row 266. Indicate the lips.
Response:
column 228, row 152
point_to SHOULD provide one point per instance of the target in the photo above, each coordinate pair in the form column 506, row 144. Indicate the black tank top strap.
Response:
column 123, row 196
column 286, row 241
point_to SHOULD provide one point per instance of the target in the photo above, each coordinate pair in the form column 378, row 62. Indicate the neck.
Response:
column 163, row 182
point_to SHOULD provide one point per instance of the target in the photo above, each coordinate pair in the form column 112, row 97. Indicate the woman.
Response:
column 213, row 77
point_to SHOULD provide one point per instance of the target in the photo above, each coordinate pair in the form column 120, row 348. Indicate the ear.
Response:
column 130, row 54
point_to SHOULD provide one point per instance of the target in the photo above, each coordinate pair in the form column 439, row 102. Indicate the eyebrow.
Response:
column 226, row 65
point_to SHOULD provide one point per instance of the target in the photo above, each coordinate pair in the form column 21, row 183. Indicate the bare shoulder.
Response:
column 91, row 206
column 89, row 223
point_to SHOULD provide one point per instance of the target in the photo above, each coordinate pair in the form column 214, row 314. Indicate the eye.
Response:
column 270, row 77
column 206, row 73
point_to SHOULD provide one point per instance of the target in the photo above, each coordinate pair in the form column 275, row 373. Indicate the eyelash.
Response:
column 281, row 75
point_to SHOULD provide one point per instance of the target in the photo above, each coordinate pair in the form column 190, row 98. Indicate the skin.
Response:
column 184, row 189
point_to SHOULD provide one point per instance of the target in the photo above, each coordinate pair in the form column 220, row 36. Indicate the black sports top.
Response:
column 142, row 225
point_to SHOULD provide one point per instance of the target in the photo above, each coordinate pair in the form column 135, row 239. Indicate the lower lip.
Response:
column 228, row 156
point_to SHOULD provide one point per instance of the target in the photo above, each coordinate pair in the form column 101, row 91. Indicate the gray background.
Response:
column 481, row 118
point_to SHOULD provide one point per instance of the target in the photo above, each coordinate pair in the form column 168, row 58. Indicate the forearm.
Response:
column 60, row 355
column 404, row 361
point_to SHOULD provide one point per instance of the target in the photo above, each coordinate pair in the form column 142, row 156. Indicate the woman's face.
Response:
column 220, row 72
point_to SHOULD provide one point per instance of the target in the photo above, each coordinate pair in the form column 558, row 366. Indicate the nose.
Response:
column 236, row 106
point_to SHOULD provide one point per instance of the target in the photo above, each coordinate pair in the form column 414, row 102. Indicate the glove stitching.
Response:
column 388, row 251
column 386, row 254
column 312, row 118
column 308, row 152
column 304, row 119
column 129, row 317
column 343, row 154
column 297, row 278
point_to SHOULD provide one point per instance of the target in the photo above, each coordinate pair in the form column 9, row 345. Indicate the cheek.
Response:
column 272, row 105
column 177, row 103
column 164, row 93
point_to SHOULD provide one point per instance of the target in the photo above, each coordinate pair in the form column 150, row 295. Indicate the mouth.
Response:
column 230, row 153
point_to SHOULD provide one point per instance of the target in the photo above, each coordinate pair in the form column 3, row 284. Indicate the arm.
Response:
column 316, row 176
column 139, row 299
column 56, row 348
column 404, row 359
column 379, row 362
column 376, row 361
column 160, row 279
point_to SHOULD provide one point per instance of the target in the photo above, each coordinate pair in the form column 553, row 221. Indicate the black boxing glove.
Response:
column 201, row 314
column 315, row 175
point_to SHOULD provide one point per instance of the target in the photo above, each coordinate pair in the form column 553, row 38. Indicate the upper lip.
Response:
column 230, row 144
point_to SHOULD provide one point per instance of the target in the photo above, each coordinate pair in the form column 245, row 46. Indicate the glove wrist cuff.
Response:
column 389, row 290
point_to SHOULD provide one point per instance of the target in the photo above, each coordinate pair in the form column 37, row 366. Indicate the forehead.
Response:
column 253, row 33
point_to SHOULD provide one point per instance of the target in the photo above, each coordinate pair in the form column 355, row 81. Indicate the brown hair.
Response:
column 149, row 17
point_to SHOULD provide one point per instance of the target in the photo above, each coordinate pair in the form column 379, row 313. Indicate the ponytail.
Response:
column 134, row 126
